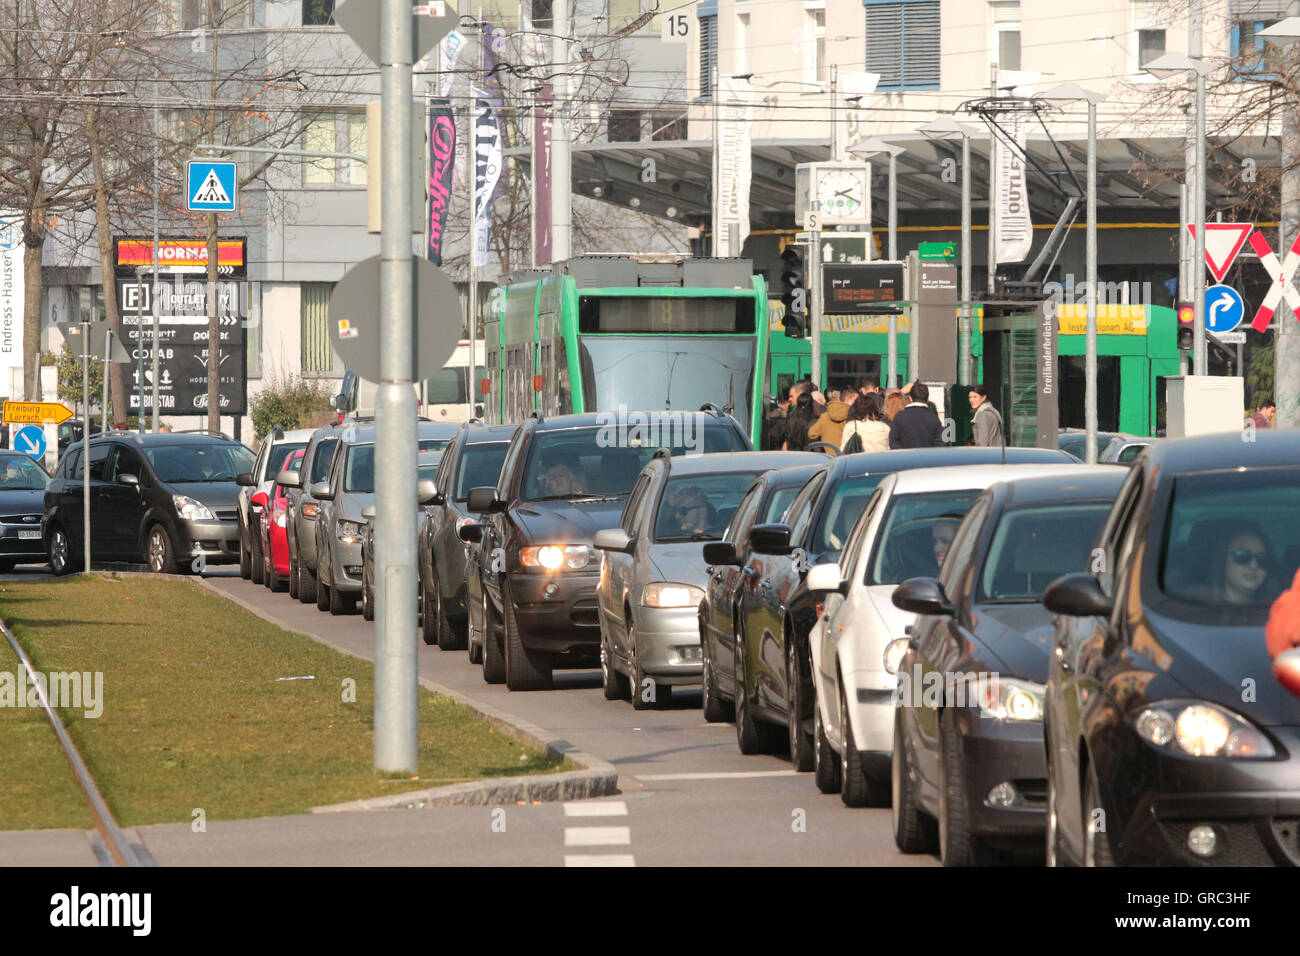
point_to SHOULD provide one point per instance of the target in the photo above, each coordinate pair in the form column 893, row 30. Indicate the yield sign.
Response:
column 1223, row 240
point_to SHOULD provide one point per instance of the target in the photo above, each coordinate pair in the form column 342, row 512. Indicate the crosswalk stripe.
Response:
column 604, row 808
column 602, row 859
column 597, row 836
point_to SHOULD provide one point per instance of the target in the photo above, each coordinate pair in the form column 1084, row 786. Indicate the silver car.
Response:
column 343, row 496
column 652, row 574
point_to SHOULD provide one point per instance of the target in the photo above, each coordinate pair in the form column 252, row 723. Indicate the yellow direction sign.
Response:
column 35, row 413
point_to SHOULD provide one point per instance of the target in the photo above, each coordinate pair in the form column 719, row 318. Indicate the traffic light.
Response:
column 1186, row 324
column 794, row 295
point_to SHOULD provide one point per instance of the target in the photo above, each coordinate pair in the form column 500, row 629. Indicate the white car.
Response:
column 904, row 532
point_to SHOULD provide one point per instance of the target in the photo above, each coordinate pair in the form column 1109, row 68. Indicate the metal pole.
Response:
column 85, row 446
column 396, row 730
column 1090, row 340
column 815, row 306
column 561, row 177
column 104, row 407
column 965, row 321
column 891, row 373
column 153, row 278
column 1286, row 341
column 992, row 252
column 139, row 352
column 716, row 158
column 1194, row 35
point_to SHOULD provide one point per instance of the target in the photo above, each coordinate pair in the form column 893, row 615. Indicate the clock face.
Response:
column 842, row 193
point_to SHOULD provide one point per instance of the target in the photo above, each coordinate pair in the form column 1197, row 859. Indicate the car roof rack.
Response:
column 474, row 421
column 208, row 431
column 712, row 409
column 665, row 453
column 537, row 415
column 116, row 433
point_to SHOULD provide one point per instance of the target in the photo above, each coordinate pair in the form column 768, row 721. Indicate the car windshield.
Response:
column 1232, row 539
column 603, row 461
column 480, row 467
column 915, row 534
column 20, row 473
column 275, row 460
column 359, row 469
column 698, row 507
column 198, row 461
column 847, row 499
column 1033, row 546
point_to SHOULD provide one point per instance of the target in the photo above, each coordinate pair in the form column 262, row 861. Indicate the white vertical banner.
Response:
column 733, row 169
column 447, row 52
column 1012, row 230
column 11, row 304
column 487, row 171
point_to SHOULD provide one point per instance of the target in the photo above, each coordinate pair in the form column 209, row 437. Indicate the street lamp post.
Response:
column 946, row 128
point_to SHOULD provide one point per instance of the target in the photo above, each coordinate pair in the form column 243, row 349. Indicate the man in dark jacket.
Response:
column 916, row 426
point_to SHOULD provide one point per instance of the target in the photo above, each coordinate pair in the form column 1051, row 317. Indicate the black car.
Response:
column 473, row 460
column 167, row 499
column 564, row 479
column 1169, row 739
column 775, row 613
column 22, row 500
column 974, row 762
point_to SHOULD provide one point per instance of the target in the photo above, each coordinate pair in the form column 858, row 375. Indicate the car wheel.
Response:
column 293, row 576
column 6, row 566
column 59, row 551
column 613, row 683
column 716, row 709
column 1096, row 846
column 273, row 579
column 914, row 830
column 341, row 603
column 306, row 584
column 494, row 659
column 474, row 651
column 801, row 742
column 245, row 558
column 448, row 639
column 158, row 549
column 322, row 596
column 826, row 765
column 858, row 788
column 647, row 693
column 428, row 623
column 957, row 845
column 259, row 569
column 526, row 669
column 752, row 735
column 367, row 599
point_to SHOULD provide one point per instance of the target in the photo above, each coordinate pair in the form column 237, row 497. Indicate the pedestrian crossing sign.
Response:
column 209, row 186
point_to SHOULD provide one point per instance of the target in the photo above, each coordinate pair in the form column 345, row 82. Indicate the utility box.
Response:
column 1204, row 405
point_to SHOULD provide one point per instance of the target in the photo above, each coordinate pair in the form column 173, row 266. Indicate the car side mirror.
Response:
column 321, row 491
column 258, row 500
column 470, row 533
column 922, row 596
column 613, row 539
column 826, row 579
column 769, row 539
column 289, row 478
column 483, row 501
column 1077, row 595
column 245, row 478
column 132, row 480
column 720, row 553
column 426, row 491
column 368, row 512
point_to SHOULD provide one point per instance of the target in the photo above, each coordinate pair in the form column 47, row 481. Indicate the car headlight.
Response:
column 1201, row 729
column 310, row 509
column 191, row 510
column 556, row 557
column 1007, row 699
column 895, row 651
column 663, row 594
column 350, row 532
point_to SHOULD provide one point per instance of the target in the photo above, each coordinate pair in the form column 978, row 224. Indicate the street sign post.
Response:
column 30, row 440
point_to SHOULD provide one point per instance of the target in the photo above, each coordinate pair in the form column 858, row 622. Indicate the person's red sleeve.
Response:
column 1283, row 630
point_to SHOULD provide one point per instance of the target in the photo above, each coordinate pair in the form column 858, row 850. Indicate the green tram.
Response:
column 631, row 332
column 1136, row 350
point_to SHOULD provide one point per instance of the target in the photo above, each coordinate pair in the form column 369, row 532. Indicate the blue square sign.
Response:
column 209, row 186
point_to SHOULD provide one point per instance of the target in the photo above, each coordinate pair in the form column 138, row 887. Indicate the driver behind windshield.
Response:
column 560, row 479
column 942, row 533
column 693, row 513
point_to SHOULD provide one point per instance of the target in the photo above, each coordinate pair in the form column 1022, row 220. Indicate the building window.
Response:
column 541, row 15
column 1006, row 34
column 219, row 14
column 317, row 354
column 903, row 43
column 740, row 56
column 815, row 47
column 317, row 13
column 1151, row 46
column 334, row 133
column 621, row 14
column 669, row 126
column 1253, row 56
column 624, row 126
column 708, row 55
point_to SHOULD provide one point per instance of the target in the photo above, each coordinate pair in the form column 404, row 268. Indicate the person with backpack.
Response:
column 866, row 429
column 986, row 422
column 798, row 421
column 830, row 426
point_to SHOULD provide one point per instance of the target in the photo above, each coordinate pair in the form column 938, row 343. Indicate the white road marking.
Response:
column 604, row 859
column 597, row 836
column 585, row 808
column 723, row 775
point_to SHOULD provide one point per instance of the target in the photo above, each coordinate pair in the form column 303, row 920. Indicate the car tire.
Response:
column 801, row 742
column 306, row 584
column 473, row 651
column 1096, row 847
column 857, row 787
column 245, row 557
column 716, row 710
column 293, row 576
column 158, row 551
column 273, row 579
column 957, row 845
column 448, row 639
column 6, row 566
column 322, row 595
column 613, row 682
column 914, row 829
column 753, row 736
column 58, row 550
column 259, row 570
column 494, row 658
column 341, row 603
column 367, row 599
column 661, row 694
column 428, row 623
column 526, row 669
column 826, row 764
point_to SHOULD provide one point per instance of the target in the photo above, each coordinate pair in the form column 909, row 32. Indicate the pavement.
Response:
column 686, row 795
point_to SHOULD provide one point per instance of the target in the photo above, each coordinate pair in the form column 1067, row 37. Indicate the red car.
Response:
column 271, row 519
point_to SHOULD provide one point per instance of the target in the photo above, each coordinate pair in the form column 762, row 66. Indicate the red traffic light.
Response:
column 1186, row 313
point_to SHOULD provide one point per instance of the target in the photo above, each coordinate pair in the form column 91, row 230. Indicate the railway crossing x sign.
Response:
column 1282, row 274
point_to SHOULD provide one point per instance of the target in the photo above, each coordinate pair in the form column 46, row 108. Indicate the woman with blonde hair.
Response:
column 895, row 402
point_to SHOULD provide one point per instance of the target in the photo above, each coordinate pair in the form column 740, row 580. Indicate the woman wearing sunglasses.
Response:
column 1246, row 564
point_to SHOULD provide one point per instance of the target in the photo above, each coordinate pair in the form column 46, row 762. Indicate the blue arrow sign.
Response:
column 209, row 186
column 30, row 440
column 1224, row 309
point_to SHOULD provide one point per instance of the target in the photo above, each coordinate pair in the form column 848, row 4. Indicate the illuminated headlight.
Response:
column 556, row 557
column 279, row 519
column 350, row 532
column 191, row 510
column 1012, row 700
column 895, row 651
column 310, row 509
column 661, row 594
column 1200, row 729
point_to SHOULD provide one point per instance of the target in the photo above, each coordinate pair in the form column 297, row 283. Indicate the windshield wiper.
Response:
column 578, row 497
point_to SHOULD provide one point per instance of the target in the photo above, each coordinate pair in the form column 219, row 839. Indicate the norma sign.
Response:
column 859, row 287
column 181, row 255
